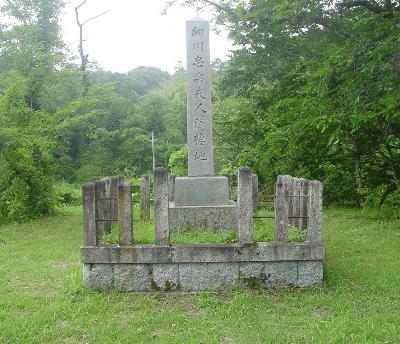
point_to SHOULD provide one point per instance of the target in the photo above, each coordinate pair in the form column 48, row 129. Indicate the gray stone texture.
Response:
column 310, row 273
column 111, row 203
column 199, row 118
column 228, row 176
column 161, row 205
column 217, row 219
column 100, row 191
column 281, row 209
column 145, row 197
column 165, row 276
column 201, row 191
column 125, row 214
column 304, row 205
column 98, row 276
column 171, row 187
column 271, row 274
column 315, row 211
column 132, row 277
column 90, row 234
column 204, row 253
column 245, row 205
column 208, row 276
column 255, row 192
column 202, row 276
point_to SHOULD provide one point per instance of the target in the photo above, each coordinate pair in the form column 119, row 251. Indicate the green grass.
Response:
column 42, row 299
column 144, row 232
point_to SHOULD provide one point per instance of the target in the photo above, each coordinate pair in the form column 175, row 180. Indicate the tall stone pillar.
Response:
column 199, row 119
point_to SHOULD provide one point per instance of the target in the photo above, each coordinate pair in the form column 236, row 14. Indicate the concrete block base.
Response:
column 195, row 267
column 221, row 218
column 202, row 276
column 201, row 191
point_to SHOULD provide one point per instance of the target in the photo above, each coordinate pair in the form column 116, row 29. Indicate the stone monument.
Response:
column 201, row 199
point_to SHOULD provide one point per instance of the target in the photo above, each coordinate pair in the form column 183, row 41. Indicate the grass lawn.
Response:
column 42, row 299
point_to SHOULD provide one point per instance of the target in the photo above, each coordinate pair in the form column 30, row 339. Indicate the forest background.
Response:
column 311, row 90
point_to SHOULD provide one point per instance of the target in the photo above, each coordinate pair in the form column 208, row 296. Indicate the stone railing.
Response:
column 136, row 267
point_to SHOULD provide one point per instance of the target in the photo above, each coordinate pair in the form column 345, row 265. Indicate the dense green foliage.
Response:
column 42, row 299
column 312, row 89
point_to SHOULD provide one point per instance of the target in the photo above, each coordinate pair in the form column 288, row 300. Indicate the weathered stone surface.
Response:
column 304, row 192
column 255, row 192
column 217, row 218
column 145, row 197
column 281, row 209
column 192, row 253
column 132, row 277
column 111, row 204
column 199, row 191
column 202, row 276
column 268, row 274
column 229, row 184
column 209, row 276
column 125, row 214
column 100, row 191
column 171, row 186
column 161, row 206
column 315, row 211
column 165, row 277
column 310, row 273
column 98, row 276
column 199, row 118
column 90, row 234
column 245, row 205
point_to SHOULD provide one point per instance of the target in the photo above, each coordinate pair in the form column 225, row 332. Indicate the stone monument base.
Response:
column 202, row 191
column 221, row 218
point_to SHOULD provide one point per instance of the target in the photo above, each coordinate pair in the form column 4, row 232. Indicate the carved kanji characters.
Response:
column 200, row 156
column 199, row 139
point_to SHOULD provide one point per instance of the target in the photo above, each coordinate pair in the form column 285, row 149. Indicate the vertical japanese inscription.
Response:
column 199, row 118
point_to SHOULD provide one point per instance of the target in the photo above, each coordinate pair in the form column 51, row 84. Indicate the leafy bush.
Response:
column 67, row 194
column 26, row 192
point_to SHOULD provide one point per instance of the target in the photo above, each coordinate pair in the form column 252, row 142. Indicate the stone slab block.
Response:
column 132, row 277
column 214, row 218
column 207, row 253
column 165, row 277
column 310, row 273
column 201, row 191
column 208, row 276
column 98, row 276
column 268, row 274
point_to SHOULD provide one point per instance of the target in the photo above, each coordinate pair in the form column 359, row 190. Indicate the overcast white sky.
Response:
column 134, row 33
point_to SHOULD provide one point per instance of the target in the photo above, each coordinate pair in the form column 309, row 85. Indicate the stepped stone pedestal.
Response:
column 202, row 202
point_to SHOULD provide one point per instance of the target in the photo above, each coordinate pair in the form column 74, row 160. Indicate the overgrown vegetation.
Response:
column 311, row 89
column 42, row 299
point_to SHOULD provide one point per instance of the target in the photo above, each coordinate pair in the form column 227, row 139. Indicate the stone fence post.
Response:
column 161, row 206
column 171, row 186
column 315, row 211
column 90, row 233
column 111, row 205
column 229, row 184
column 282, row 208
column 255, row 192
column 245, row 205
column 100, row 194
column 125, row 214
column 145, row 197
column 303, row 203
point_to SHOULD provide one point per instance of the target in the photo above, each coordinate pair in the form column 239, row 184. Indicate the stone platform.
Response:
column 202, row 267
column 222, row 218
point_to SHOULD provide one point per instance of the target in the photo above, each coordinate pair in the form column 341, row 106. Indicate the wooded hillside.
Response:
column 311, row 89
